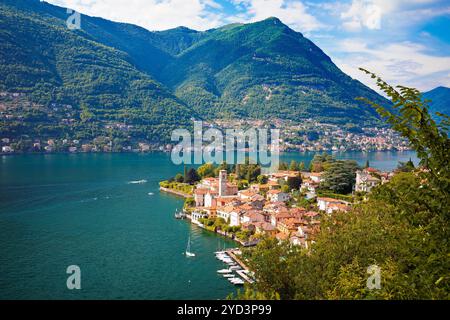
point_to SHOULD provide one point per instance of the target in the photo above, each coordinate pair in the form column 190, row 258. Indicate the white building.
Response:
column 365, row 180
column 7, row 149
column 329, row 205
column 277, row 196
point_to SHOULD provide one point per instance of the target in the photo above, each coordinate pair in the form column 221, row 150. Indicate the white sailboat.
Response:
column 188, row 249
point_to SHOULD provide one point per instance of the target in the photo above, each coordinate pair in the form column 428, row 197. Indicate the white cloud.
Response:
column 292, row 12
column 151, row 14
column 362, row 13
column 369, row 14
column 196, row 14
column 404, row 63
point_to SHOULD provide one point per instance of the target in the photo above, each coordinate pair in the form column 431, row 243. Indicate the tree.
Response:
column 301, row 166
column 192, row 176
column 85, row 114
column 402, row 228
column 262, row 179
column 406, row 166
column 282, row 166
column 207, row 170
column 294, row 183
column 179, row 177
column 340, row 176
column 293, row 166
column 223, row 166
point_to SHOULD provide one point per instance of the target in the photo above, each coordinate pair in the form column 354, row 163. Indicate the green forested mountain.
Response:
column 157, row 80
column 440, row 100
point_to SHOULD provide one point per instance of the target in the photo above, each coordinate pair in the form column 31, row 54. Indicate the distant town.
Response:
column 56, row 128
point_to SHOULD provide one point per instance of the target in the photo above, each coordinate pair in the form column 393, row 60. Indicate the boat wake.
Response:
column 137, row 182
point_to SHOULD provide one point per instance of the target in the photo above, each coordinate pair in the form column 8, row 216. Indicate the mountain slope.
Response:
column 265, row 70
column 41, row 57
column 440, row 100
column 156, row 81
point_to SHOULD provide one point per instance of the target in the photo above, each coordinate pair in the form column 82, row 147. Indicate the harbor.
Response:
column 236, row 272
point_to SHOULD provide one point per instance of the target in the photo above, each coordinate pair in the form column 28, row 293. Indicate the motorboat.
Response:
column 223, row 271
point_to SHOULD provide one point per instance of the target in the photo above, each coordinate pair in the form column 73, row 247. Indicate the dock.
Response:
column 242, row 273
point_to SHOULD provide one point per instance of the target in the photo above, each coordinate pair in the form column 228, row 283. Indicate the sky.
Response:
column 406, row 42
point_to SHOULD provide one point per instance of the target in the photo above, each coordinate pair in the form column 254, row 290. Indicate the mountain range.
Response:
column 439, row 101
column 156, row 81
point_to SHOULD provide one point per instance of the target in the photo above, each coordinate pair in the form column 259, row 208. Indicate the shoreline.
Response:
column 223, row 234
column 175, row 192
column 14, row 153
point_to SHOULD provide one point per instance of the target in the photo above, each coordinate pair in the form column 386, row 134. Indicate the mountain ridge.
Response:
column 439, row 101
column 258, row 70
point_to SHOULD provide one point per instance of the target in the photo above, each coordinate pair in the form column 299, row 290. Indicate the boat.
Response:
column 228, row 275
column 237, row 282
column 188, row 249
column 235, row 268
column 222, row 271
column 179, row 215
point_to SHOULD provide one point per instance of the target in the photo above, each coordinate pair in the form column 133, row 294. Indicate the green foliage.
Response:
column 405, row 166
column 158, row 81
column 192, row 176
column 179, row 178
column 293, row 166
column 413, row 122
column 262, row 179
column 182, row 187
column 402, row 228
column 207, row 170
column 189, row 202
column 282, row 166
column 249, row 172
column 340, row 176
column 294, row 183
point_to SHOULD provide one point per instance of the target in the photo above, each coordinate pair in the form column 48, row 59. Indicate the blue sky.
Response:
column 405, row 41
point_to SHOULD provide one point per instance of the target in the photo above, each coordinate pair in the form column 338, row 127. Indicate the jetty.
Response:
column 175, row 192
column 244, row 273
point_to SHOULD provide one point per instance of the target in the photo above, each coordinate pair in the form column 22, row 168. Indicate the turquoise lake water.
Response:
column 81, row 209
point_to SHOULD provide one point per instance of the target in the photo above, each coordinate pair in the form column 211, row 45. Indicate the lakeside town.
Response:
column 59, row 128
column 287, row 205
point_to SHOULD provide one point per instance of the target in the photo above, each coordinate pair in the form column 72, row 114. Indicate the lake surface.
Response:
column 82, row 209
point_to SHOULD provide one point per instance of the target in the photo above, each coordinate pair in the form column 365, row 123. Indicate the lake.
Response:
column 85, row 210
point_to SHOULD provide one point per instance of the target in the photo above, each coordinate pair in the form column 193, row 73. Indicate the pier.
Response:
column 245, row 270
column 175, row 192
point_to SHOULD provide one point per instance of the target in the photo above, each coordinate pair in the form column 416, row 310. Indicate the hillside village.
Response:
column 287, row 204
column 28, row 127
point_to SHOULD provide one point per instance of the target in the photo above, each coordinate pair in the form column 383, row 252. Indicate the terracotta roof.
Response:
column 339, row 206
column 311, row 214
column 265, row 226
column 315, row 174
column 274, row 191
column 201, row 191
column 227, row 199
column 282, row 236
column 247, row 193
column 328, row 199
column 227, row 209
